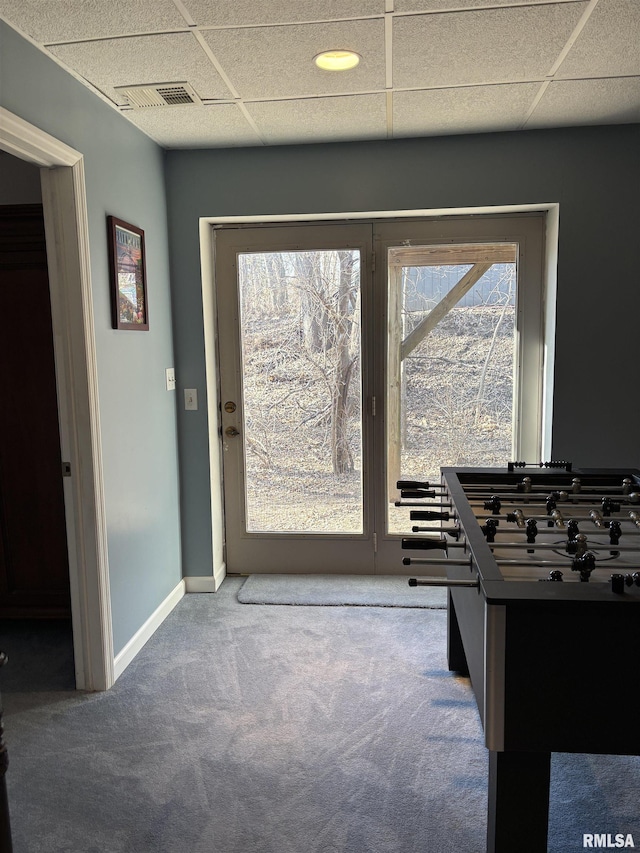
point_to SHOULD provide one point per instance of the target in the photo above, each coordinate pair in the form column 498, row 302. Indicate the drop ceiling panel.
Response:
column 256, row 12
column 278, row 61
column 485, row 46
column 321, row 119
column 218, row 125
column 404, row 6
column 609, row 44
column 571, row 102
column 175, row 57
column 473, row 109
column 450, row 66
column 67, row 20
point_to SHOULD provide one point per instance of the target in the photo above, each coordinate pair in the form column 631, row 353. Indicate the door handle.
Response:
column 231, row 431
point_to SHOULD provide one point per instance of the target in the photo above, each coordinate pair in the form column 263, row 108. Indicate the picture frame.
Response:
column 128, row 276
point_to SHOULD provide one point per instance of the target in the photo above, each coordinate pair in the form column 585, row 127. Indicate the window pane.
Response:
column 451, row 369
column 302, row 406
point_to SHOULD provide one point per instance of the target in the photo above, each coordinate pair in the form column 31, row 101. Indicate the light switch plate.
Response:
column 171, row 379
column 191, row 399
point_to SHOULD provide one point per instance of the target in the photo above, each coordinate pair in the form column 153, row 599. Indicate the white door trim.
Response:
column 67, row 237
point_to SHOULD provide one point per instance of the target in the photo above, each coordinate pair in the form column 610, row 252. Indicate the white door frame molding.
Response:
column 67, row 238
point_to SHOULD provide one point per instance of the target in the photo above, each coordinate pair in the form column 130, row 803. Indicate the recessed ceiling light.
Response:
column 337, row 60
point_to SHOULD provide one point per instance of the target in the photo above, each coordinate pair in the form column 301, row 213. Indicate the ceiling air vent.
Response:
column 159, row 95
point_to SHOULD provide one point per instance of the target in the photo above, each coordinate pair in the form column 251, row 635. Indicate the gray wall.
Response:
column 594, row 175
column 124, row 177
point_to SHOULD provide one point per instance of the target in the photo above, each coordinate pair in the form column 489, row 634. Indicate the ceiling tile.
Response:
column 218, row 125
column 144, row 59
column 404, row 6
column 278, row 61
column 582, row 102
column 67, row 20
column 609, row 43
column 492, row 45
column 321, row 119
column 472, row 109
column 252, row 12
column 458, row 65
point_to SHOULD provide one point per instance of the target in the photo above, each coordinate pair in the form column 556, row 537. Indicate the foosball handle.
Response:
column 425, row 544
column 412, row 484
column 428, row 515
column 417, row 493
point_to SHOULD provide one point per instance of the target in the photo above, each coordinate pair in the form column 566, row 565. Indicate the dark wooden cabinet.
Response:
column 34, row 568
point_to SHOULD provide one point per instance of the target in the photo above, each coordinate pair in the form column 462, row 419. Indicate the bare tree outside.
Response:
column 302, row 394
column 457, row 383
column 459, row 380
column 302, row 391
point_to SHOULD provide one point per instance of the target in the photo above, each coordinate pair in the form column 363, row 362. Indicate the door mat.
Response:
column 340, row 590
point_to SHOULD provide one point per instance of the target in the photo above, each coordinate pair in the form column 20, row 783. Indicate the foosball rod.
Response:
column 567, row 494
column 554, row 564
column 549, row 546
column 524, row 498
column 601, row 532
column 594, row 534
column 599, row 521
column 402, row 503
column 433, row 561
column 478, row 489
column 550, row 564
column 442, row 582
column 427, row 545
column 581, row 519
column 427, row 561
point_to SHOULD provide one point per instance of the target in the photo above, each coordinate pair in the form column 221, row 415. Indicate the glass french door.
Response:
column 355, row 355
column 294, row 374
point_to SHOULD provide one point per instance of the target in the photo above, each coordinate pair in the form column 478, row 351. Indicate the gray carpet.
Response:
column 40, row 653
column 339, row 590
column 280, row 730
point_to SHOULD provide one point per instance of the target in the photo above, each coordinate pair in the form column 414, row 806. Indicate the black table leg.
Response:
column 456, row 658
column 518, row 814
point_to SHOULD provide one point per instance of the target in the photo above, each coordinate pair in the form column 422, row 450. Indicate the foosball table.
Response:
column 543, row 574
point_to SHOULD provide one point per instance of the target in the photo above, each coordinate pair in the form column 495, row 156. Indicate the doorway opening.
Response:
column 67, row 242
column 352, row 355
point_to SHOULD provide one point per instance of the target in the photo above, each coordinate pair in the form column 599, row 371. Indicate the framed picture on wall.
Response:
column 128, row 277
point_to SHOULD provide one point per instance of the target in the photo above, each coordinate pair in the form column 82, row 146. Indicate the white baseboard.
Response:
column 219, row 575
column 208, row 583
column 128, row 653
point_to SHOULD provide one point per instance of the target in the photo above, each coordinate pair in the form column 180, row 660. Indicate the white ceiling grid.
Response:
column 429, row 67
